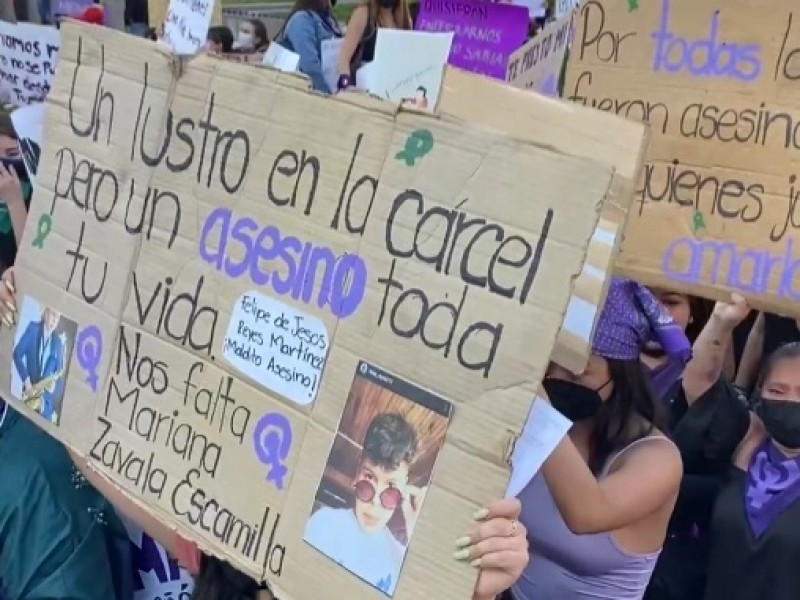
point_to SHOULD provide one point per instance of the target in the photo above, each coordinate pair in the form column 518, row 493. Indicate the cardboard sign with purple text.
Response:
column 242, row 287
column 716, row 210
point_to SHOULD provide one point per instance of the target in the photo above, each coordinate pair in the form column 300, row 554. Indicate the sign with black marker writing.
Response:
column 575, row 130
column 716, row 209
column 186, row 25
column 258, row 284
column 537, row 65
column 28, row 59
column 157, row 13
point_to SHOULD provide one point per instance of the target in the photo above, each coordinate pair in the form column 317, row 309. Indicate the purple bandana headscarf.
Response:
column 631, row 317
column 773, row 484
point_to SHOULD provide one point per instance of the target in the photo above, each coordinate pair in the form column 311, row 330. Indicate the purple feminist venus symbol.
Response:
column 90, row 351
column 272, row 439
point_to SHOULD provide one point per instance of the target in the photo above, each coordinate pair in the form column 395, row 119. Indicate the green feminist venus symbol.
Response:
column 698, row 221
column 418, row 144
column 633, row 5
column 43, row 230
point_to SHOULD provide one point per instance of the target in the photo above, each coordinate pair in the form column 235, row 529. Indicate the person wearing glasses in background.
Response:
column 358, row 537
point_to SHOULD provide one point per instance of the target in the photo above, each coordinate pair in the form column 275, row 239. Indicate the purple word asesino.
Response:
column 287, row 264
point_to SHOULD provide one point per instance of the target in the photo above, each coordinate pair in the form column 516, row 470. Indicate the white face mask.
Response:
column 245, row 41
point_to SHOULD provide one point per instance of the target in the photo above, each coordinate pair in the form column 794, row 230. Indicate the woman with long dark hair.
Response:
column 597, row 511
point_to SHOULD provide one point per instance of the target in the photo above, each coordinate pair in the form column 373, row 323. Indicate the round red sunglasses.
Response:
column 390, row 498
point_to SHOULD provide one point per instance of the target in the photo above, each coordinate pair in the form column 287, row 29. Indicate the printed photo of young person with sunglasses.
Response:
column 380, row 466
column 359, row 538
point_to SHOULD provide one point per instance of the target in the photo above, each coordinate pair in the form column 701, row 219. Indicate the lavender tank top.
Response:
column 566, row 566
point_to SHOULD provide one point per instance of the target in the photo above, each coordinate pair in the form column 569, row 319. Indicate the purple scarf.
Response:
column 664, row 378
column 773, row 485
column 631, row 317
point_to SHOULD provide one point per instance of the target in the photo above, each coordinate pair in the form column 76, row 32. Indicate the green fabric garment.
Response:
column 5, row 216
column 52, row 546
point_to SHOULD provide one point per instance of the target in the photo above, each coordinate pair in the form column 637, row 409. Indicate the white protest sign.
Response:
column 277, row 346
column 544, row 430
column 280, row 58
column 537, row 64
column 565, row 7
column 365, row 77
column 186, row 25
column 409, row 66
column 28, row 57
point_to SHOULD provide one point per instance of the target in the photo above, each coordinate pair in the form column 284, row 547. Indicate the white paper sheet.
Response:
column 330, row 50
column 277, row 346
column 280, row 58
column 543, row 431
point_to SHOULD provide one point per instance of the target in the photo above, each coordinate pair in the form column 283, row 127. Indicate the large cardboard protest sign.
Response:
column 572, row 130
column 231, row 289
column 486, row 33
column 537, row 65
column 716, row 208
column 28, row 59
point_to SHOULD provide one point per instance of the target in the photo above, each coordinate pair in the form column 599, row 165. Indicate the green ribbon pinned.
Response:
column 698, row 221
column 418, row 144
column 43, row 230
column 633, row 5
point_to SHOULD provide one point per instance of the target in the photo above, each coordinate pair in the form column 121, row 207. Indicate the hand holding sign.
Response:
column 733, row 312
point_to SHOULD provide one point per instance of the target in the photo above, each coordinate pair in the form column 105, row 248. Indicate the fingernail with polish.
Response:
column 10, row 306
column 7, row 320
column 10, row 287
column 476, row 563
column 481, row 514
column 461, row 554
column 463, row 542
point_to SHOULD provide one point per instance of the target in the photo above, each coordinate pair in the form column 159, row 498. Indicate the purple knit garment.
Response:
column 631, row 317
column 773, row 485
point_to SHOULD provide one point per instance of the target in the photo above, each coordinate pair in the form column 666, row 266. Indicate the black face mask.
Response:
column 781, row 419
column 392, row 4
column 17, row 165
column 573, row 400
